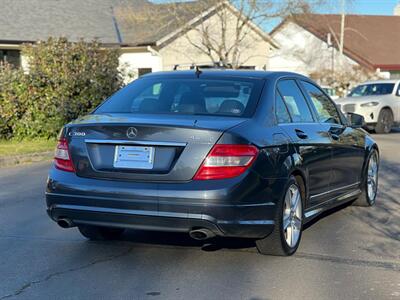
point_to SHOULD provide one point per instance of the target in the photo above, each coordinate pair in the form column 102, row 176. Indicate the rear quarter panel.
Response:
column 275, row 161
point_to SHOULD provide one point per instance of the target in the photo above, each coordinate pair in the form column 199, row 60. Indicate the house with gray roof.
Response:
column 152, row 37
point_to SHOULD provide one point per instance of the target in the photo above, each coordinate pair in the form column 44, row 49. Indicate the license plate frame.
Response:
column 134, row 157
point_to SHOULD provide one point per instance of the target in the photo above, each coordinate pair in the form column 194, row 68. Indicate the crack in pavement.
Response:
column 28, row 285
column 392, row 266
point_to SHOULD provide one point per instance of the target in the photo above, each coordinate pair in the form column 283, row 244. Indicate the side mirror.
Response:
column 355, row 120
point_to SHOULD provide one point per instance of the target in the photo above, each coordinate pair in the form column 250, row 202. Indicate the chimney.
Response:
column 396, row 10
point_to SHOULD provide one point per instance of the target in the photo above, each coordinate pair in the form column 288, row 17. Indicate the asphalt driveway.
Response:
column 351, row 254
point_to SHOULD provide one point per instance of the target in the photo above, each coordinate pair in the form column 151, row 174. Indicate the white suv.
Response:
column 377, row 101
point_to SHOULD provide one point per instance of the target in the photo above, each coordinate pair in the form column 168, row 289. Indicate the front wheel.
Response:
column 285, row 238
column 385, row 121
column 370, row 185
column 97, row 233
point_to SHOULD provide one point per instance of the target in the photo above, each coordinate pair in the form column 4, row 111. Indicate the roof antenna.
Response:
column 198, row 71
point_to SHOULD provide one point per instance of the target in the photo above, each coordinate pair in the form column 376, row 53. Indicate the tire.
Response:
column 385, row 121
column 97, row 233
column 370, row 179
column 276, row 243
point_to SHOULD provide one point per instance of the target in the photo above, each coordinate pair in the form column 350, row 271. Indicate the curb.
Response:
column 8, row 161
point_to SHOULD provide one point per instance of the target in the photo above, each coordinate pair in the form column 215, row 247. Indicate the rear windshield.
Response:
column 372, row 89
column 197, row 96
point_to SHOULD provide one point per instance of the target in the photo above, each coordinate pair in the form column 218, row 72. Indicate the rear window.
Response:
column 372, row 89
column 197, row 96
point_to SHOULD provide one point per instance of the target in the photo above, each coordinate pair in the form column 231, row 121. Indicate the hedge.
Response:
column 65, row 80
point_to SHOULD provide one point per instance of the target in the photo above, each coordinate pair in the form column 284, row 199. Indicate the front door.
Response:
column 312, row 142
column 347, row 143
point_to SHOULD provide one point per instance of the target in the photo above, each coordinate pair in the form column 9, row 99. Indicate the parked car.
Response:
column 377, row 101
column 330, row 91
column 212, row 153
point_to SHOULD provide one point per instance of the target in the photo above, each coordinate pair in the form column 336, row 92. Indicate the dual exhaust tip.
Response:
column 65, row 223
column 197, row 234
column 201, row 234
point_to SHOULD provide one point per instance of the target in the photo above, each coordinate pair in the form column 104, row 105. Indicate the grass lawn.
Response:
column 15, row 147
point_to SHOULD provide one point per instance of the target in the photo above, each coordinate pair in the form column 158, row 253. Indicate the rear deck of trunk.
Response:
column 168, row 148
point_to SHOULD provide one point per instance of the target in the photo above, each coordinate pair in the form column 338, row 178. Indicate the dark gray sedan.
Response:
column 212, row 153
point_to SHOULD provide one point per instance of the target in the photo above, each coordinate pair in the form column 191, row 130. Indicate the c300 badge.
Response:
column 76, row 133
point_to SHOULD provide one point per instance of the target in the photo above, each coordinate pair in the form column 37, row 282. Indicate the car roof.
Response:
column 380, row 81
column 225, row 73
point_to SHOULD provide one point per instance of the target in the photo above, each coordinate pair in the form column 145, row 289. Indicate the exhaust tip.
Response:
column 201, row 234
column 65, row 223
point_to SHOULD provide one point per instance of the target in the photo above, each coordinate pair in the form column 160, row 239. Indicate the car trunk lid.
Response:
column 143, row 147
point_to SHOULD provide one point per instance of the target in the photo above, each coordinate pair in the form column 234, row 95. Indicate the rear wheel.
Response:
column 370, row 186
column 285, row 238
column 97, row 233
column 385, row 121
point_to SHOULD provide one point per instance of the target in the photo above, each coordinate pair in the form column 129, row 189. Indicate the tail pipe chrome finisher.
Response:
column 201, row 234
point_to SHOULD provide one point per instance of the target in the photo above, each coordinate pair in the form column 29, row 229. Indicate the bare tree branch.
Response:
column 219, row 29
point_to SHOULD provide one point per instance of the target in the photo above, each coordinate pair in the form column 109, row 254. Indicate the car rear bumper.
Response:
column 235, row 207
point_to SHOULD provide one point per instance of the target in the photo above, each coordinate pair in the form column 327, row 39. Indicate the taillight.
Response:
column 62, row 158
column 226, row 161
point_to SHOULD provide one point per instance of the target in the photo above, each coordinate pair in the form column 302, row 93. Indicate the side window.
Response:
column 295, row 101
column 282, row 115
column 325, row 108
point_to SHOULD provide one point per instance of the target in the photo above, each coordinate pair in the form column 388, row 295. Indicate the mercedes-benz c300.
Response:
column 212, row 153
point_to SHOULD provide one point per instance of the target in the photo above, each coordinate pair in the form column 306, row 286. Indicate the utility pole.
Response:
column 343, row 16
column 330, row 45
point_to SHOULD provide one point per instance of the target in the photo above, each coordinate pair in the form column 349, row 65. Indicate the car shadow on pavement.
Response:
column 382, row 220
column 326, row 214
column 184, row 240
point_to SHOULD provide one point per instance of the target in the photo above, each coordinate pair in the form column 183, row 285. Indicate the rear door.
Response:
column 347, row 143
column 310, row 139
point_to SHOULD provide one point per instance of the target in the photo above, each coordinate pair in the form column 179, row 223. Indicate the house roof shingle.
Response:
column 32, row 20
column 147, row 24
column 373, row 41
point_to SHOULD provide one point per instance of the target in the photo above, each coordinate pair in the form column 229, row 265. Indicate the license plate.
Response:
column 133, row 157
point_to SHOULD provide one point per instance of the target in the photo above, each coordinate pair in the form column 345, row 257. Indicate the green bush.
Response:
column 13, row 88
column 65, row 80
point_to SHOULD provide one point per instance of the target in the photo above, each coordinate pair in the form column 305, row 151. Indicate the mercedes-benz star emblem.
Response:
column 131, row 132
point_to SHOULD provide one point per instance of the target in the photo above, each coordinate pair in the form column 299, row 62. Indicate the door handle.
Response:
column 334, row 136
column 335, row 132
column 301, row 134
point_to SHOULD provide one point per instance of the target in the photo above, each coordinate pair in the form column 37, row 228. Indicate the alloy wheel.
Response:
column 372, row 177
column 292, row 215
column 386, row 122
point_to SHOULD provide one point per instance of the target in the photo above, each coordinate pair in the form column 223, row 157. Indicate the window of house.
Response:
column 326, row 110
column 143, row 71
column 12, row 57
column 295, row 101
column 247, row 67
